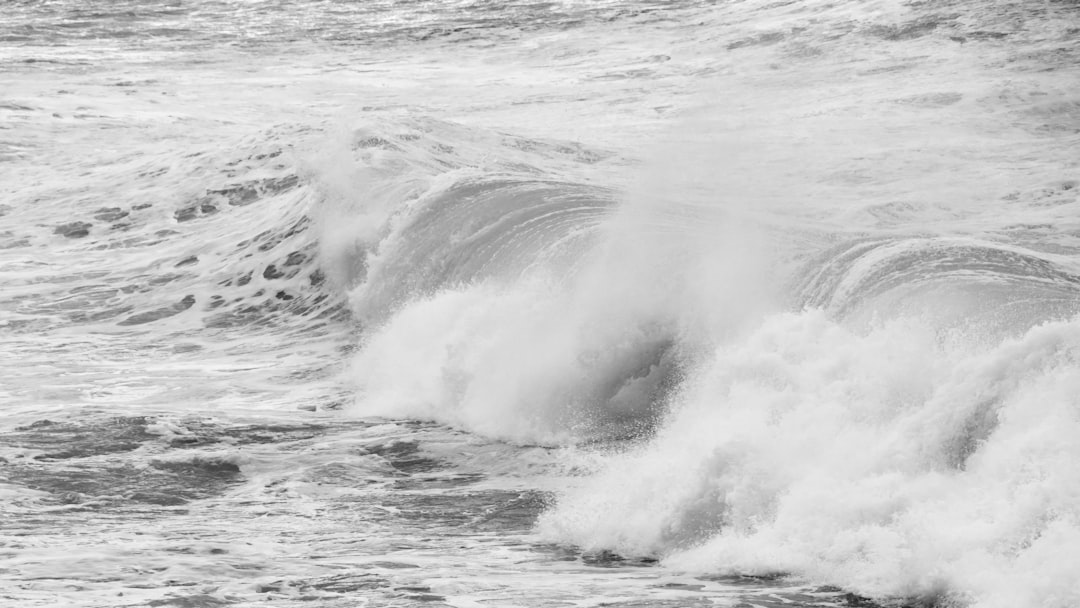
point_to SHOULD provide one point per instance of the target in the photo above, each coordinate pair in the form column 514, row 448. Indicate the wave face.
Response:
column 976, row 285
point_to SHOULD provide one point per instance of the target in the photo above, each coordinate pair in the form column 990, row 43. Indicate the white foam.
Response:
column 886, row 462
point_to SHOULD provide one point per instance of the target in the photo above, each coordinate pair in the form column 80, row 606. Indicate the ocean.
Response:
column 340, row 303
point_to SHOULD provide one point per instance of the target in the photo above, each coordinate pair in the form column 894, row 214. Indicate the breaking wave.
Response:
column 893, row 414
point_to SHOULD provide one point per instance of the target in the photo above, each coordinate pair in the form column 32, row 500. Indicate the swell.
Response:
column 952, row 278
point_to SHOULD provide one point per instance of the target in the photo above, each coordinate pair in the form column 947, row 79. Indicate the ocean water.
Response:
column 524, row 304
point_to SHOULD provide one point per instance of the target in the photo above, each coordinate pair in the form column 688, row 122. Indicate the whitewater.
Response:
column 670, row 304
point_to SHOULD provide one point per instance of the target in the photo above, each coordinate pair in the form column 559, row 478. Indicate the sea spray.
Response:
column 861, row 437
column 497, row 326
column 884, row 461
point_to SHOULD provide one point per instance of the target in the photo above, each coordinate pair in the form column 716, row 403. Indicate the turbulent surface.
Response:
column 527, row 303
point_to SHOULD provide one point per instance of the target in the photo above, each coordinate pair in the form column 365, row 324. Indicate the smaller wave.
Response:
column 959, row 282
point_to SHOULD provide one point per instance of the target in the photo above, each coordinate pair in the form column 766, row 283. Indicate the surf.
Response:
column 886, row 412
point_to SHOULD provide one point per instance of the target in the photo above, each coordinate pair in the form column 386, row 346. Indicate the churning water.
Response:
column 402, row 302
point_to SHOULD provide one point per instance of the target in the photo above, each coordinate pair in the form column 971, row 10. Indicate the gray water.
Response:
column 401, row 303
